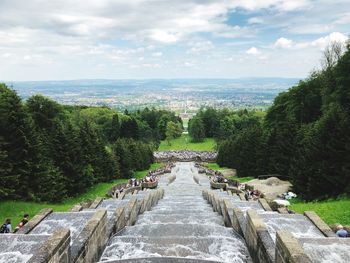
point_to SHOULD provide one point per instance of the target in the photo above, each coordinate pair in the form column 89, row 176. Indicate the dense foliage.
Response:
column 305, row 134
column 49, row 151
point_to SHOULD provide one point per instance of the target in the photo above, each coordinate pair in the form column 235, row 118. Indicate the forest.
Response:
column 304, row 135
column 49, row 151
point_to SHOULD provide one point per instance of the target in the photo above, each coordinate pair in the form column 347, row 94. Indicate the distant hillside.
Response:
column 175, row 94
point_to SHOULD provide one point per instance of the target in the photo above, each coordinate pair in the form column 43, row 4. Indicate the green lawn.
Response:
column 331, row 211
column 215, row 166
column 184, row 143
column 240, row 179
column 16, row 209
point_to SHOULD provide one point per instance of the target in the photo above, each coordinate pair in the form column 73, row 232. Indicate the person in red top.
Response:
column 22, row 223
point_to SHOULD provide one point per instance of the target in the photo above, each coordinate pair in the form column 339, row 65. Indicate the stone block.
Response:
column 120, row 222
column 282, row 210
column 121, row 196
column 238, row 220
column 89, row 245
column 205, row 194
column 215, row 202
column 319, row 223
column 289, row 250
column 54, row 250
column 259, row 241
column 228, row 209
column 242, row 197
column 264, row 204
column 76, row 208
column 96, row 203
column 133, row 213
column 35, row 221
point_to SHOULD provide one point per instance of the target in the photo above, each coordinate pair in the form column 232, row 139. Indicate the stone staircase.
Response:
column 275, row 237
column 182, row 225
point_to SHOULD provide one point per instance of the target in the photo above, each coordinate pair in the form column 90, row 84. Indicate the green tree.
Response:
column 196, row 129
column 14, row 144
column 173, row 130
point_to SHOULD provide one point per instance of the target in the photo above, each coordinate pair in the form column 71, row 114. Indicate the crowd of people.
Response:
column 215, row 176
column 201, row 156
column 6, row 227
column 251, row 194
column 152, row 176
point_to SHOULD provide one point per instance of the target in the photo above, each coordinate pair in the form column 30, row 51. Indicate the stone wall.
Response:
column 319, row 223
column 258, row 239
column 289, row 250
column 119, row 222
column 90, row 243
column 54, row 250
column 96, row 203
column 35, row 221
column 132, row 211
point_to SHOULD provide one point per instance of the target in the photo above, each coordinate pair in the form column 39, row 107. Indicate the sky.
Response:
column 143, row 39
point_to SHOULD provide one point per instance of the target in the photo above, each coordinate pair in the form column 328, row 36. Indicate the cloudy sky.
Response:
column 75, row 39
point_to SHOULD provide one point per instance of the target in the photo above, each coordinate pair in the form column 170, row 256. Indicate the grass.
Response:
column 16, row 209
column 240, row 179
column 184, row 143
column 215, row 166
column 332, row 211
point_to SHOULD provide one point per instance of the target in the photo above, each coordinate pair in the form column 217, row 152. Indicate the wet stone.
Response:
column 324, row 250
column 298, row 225
column 19, row 248
column 182, row 227
column 74, row 221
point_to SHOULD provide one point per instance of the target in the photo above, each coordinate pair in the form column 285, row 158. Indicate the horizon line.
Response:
column 146, row 79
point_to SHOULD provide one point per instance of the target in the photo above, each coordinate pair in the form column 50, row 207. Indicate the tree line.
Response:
column 49, row 151
column 304, row 135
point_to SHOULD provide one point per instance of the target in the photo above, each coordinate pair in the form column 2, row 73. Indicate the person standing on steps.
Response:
column 6, row 227
column 22, row 223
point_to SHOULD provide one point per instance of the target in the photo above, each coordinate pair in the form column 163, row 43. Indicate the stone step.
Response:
column 220, row 249
column 151, row 218
column 184, row 210
column 179, row 230
column 159, row 260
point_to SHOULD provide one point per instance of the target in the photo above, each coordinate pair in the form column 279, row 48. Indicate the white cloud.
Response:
column 68, row 40
column 253, row 51
column 163, row 36
column 321, row 42
column 6, row 55
column 333, row 37
column 283, row 42
column 157, row 54
column 198, row 47
column 255, row 20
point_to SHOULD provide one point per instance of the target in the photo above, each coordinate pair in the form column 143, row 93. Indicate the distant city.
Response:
column 184, row 96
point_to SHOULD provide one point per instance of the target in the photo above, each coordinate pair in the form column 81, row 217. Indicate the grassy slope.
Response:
column 16, row 209
column 331, row 211
column 184, row 143
column 215, row 166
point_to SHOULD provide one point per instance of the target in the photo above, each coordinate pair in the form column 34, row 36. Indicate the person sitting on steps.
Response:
column 6, row 227
column 22, row 223
column 341, row 232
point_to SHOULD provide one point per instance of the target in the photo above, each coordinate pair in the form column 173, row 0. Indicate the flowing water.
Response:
column 19, row 248
column 72, row 220
column 298, row 225
column 327, row 250
column 182, row 225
